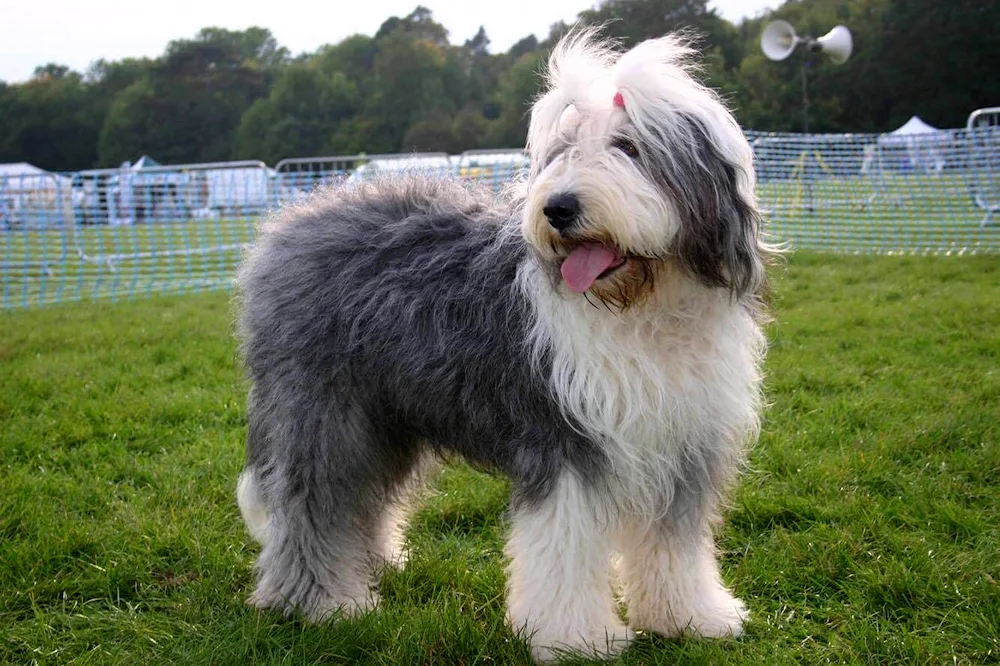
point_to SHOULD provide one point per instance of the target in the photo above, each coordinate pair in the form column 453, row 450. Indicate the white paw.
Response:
column 602, row 643
column 722, row 619
column 718, row 615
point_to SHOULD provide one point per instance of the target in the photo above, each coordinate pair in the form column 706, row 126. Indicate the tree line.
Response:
column 226, row 95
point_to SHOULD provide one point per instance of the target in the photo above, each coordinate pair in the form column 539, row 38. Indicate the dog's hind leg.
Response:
column 251, row 503
column 391, row 535
column 327, row 474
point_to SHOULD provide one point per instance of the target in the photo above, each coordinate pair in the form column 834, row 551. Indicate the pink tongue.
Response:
column 585, row 263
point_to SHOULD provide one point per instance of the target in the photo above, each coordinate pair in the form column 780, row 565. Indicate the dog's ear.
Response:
column 719, row 236
column 575, row 63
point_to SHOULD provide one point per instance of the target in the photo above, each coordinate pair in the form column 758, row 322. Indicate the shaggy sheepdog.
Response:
column 594, row 334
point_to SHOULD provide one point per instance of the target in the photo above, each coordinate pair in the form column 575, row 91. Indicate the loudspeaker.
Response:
column 837, row 45
column 778, row 40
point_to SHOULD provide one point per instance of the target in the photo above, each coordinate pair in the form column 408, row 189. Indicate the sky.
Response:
column 75, row 33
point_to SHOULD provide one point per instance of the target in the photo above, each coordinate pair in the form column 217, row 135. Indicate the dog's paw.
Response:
column 714, row 615
column 603, row 643
column 318, row 609
column 723, row 618
column 394, row 558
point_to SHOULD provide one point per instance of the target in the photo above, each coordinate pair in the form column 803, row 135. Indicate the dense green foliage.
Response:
column 239, row 94
column 865, row 531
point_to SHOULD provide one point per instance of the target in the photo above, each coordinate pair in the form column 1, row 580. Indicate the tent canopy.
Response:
column 26, row 173
column 922, row 145
column 145, row 162
column 15, row 169
column 912, row 129
column 915, row 126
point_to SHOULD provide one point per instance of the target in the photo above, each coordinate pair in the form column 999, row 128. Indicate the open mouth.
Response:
column 611, row 269
column 588, row 263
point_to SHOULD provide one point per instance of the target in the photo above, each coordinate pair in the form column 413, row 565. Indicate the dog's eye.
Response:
column 627, row 146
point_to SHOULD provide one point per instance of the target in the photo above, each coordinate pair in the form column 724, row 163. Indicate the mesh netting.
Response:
column 134, row 231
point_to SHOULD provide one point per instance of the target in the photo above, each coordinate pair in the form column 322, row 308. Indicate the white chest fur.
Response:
column 680, row 371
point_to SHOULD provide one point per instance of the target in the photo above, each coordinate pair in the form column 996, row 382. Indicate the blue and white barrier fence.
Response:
column 166, row 229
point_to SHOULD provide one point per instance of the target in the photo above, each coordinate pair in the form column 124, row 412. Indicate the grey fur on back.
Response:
column 377, row 318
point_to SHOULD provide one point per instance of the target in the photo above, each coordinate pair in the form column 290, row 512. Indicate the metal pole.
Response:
column 805, row 129
column 805, row 93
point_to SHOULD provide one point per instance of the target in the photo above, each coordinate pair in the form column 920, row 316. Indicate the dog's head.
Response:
column 635, row 166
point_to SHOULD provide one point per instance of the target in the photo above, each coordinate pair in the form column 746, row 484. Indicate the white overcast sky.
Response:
column 78, row 32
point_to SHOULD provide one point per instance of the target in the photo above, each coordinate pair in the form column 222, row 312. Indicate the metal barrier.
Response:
column 983, row 127
column 36, row 214
column 299, row 176
column 878, row 193
column 493, row 168
column 121, row 232
column 132, row 231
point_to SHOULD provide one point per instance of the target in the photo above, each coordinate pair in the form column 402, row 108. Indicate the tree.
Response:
column 470, row 130
column 130, row 125
column 419, row 24
column 432, row 133
column 523, row 46
column 479, row 45
column 890, row 75
column 188, row 106
column 50, row 121
column 354, row 57
column 517, row 90
column 300, row 116
column 50, row 71
column 936, row 60
column 226, row 93
column 409, row 83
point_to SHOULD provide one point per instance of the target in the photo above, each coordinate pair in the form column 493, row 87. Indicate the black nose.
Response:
column 562, row 210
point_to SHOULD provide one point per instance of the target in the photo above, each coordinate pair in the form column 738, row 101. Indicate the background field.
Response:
column 866, row 531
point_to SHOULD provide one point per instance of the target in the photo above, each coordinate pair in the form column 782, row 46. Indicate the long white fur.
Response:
column 674, row 585
column 682, row 367
column 685, row 366
column 559, row 592
column 646, row 382
column 252, row 506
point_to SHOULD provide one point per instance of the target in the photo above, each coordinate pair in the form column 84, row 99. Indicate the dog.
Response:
column 595, row 334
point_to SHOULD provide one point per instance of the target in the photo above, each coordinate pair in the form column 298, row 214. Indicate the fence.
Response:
column 130, row 231
column 984, row 130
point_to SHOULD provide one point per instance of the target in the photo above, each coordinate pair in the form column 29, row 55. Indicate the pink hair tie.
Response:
column 619, row 100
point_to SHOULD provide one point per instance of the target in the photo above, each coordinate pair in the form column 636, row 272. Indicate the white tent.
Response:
column 923, row 144
column 20, row 169
column 146, row 191
column 237, row 190
column 914, row 127
column 33, row 197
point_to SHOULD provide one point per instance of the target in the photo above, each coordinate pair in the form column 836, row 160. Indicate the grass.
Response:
column 867, row 530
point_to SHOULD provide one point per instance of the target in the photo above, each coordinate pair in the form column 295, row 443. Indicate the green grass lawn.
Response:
column 866, row 531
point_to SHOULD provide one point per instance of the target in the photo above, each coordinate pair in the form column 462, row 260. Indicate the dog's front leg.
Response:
column 672, row 580
column 559, row 590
